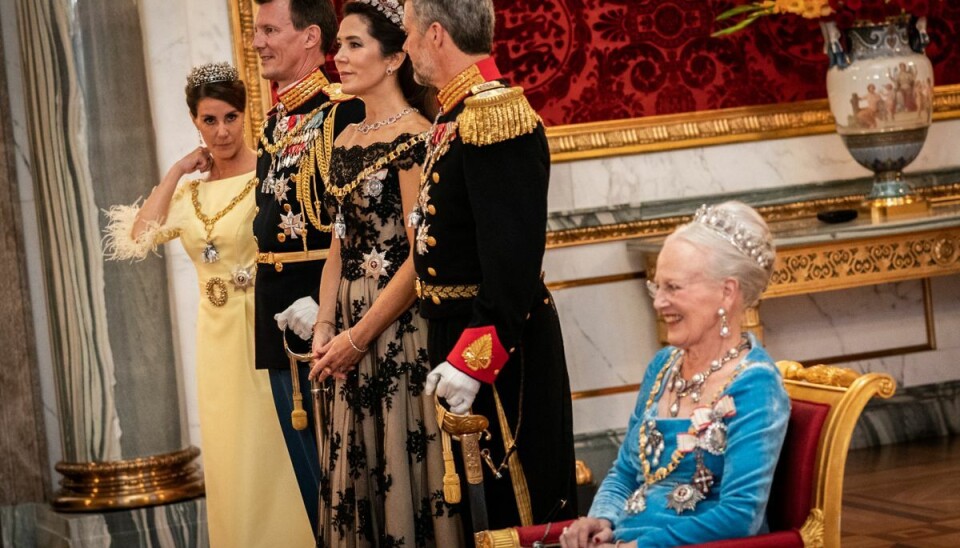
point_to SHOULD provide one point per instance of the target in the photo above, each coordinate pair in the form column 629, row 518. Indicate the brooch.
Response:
column 374, row 184
column 242, row 278
column 683, row 497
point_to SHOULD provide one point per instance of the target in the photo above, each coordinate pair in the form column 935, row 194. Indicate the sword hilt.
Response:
column 298, row 416
column 468, row 429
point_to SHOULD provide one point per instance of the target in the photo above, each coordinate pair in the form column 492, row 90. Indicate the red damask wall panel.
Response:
column 594, row 60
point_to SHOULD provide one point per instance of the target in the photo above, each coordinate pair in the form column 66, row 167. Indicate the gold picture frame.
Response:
column 615, row 137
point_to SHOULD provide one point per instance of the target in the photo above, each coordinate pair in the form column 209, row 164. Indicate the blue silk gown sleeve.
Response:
column 736, row 507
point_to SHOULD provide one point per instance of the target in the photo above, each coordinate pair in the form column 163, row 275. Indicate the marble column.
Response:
column 91, row 145
column 23, row 448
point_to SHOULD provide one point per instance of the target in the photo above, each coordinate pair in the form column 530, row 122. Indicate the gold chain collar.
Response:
column 210, row 222
column 661, row 473
column 341, row 192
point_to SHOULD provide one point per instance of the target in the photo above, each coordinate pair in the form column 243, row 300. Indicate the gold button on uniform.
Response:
column 432, row 271
column 431, row 241
column 281, row 237
column 436, row 177
column 278, row 267
column 431, row 210
column 287, row 208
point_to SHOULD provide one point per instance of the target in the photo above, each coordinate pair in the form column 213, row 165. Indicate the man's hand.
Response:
column 299, row 317
column 453, row 385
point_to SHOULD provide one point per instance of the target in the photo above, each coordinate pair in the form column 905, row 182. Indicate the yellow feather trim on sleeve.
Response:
column 118, row 242
column 496, row 115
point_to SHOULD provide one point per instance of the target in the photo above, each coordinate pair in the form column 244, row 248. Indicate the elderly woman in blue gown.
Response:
column 702, row 444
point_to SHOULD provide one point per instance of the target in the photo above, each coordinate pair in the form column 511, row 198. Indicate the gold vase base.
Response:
column 134, row 483
column 891, row 209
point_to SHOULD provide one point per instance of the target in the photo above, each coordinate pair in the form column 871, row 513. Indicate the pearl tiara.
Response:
column 722, row 223
column 210, row 73
column 391, row 9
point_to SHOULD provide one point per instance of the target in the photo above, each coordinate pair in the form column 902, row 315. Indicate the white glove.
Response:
column 299, row 317
column 453, row 385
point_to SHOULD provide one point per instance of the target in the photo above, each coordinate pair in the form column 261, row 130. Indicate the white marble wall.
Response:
column 31, row 232
column 726, row 168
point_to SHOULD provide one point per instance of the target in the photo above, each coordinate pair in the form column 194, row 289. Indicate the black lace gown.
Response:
column 381, row 468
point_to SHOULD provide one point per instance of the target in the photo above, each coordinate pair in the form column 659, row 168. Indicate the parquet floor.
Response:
column 903, row 496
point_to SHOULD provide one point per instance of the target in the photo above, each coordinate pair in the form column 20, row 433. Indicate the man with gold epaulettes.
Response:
column 494, row 334
column 291, row 39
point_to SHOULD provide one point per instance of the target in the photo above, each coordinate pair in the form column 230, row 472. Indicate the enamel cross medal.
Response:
column 339, row 225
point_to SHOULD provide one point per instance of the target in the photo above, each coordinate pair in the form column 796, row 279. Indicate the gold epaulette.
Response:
column 496, row 113
column 336, row 94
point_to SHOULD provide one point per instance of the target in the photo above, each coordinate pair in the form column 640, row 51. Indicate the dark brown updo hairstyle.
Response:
column 391, row 37
column 215, row 81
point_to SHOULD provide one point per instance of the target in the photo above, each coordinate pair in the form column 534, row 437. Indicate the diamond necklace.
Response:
column 365, row 128
column 682, row 387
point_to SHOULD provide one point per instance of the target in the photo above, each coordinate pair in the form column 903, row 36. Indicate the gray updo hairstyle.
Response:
column 740, row 223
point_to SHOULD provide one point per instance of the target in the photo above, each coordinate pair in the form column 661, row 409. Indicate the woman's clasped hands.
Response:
column 334, row 354
column 591, row 533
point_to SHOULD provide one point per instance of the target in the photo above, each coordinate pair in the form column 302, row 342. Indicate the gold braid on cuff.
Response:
column 438, row 292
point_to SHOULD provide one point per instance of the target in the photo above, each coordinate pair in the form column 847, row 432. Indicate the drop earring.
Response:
column 724, row 326
column 200, row 136
column 390, row 71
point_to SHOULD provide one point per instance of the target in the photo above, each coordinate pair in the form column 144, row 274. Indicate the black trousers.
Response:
column 534, row 390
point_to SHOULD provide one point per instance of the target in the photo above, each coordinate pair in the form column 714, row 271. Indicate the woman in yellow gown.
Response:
column 252, row 495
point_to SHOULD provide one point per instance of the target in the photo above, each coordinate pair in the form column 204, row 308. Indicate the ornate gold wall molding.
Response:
column 879, row 259
column 248, row 65
column 792, row 211
column 710, row 127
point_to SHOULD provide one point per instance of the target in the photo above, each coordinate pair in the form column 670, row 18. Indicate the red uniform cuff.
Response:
column 479, row 353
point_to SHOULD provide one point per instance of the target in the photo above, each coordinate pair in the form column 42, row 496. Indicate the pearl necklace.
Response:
column 682, row 387
column 365, row 128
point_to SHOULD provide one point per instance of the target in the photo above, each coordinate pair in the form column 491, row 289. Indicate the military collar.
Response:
column 299, row 93
column 458, row 88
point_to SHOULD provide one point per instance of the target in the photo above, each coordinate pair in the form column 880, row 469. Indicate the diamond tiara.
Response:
column 212, row 72
column 391, row 9
column 722, row 223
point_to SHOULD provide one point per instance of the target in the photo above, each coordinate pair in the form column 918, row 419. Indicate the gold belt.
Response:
column 278, row 259
column 437, row 292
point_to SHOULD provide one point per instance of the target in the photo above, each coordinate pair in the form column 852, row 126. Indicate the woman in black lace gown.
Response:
column 381, row 467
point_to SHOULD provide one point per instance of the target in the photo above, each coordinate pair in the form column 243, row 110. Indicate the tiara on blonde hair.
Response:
column 722, row 223
column 391, row 9
column 210, row 73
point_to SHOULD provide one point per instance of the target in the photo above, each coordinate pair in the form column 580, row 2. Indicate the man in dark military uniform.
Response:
column 494, row 334
column 291, row 39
